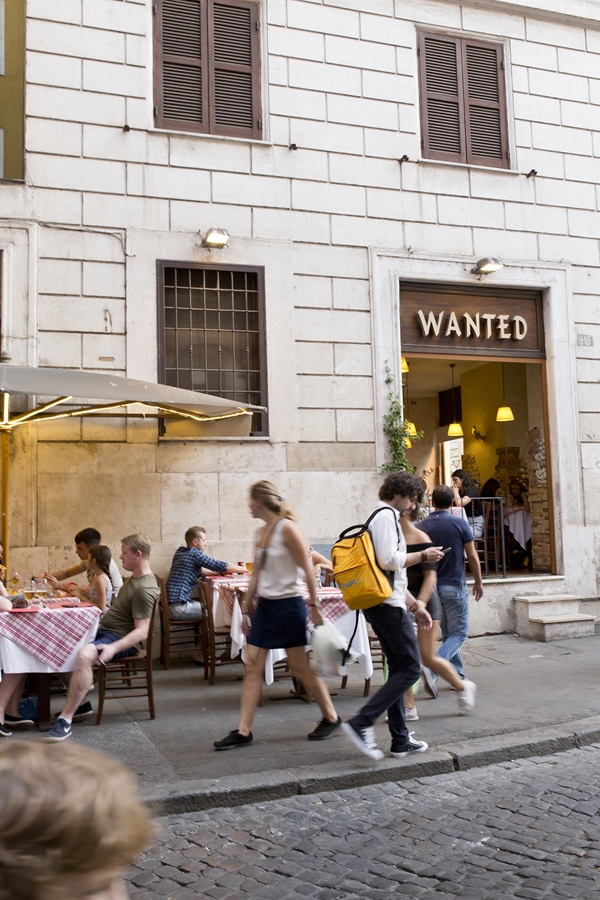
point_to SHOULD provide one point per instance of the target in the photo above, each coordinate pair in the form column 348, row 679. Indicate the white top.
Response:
column 109, row 590
column 115, row 577
column 278, row 575
column 390, row 550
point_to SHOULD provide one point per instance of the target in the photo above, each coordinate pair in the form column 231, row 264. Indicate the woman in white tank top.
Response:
column 281, row 566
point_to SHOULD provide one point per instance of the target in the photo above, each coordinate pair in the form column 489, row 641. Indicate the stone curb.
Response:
column 193, row 796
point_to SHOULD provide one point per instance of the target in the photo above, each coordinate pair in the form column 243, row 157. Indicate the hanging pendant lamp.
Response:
column 455, row 429
column 505, row 413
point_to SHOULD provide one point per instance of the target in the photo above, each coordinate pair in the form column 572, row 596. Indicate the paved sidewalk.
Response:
column 533, row 699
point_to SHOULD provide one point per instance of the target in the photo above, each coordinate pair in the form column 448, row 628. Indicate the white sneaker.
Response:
column 411, row 715
column 466, row 697
column 363, row 739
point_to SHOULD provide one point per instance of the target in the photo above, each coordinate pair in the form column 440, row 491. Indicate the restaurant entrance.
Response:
column 474, row 387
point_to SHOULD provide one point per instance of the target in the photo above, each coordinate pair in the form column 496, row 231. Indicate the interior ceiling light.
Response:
column 487, row 265
column 404, row 367
column 454, row 430
column 216, row 238
column 505, row 413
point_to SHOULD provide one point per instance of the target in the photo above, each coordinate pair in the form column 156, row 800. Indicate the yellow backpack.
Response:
column 355, row 569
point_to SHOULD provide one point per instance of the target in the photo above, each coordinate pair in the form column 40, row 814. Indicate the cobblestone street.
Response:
column 527, row 829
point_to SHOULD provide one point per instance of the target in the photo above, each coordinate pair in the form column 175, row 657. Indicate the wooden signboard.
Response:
column 471, row 321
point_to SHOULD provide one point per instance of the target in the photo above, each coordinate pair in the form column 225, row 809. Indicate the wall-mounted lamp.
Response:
column 455, row 429
column 487, row 265
column 215, row 238
column 505, row 413
column 477, row 434
column 404, row 367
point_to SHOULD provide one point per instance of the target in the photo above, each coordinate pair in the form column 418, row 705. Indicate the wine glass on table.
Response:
column 14, row 580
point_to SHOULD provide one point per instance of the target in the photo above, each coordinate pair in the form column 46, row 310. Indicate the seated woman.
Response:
column 518, row 500
column 467, row 496
column 518, row 497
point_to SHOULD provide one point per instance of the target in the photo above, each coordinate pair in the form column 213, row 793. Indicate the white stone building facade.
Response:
column 337, row 204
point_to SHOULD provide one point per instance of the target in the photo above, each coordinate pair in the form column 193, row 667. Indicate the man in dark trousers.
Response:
column 391, row 622
column 453, row 532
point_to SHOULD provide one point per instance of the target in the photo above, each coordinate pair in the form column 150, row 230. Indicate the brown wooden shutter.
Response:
column 485, row 102
column 233, row 31
column 207, row 67
column 440, row 74
column 463, row 102
column 180, row 65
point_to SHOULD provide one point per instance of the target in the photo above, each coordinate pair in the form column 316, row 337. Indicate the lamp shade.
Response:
column 404, row 365
column 455, row 430
column 504, row 414
column 407, row 443
column 411, row 429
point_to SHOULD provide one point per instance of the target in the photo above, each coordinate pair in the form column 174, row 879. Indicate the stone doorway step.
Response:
column 552, row 617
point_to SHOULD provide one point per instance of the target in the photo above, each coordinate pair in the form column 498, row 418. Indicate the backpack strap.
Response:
column 389, row 574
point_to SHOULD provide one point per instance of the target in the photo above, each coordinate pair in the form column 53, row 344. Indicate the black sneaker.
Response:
column 398, row 750
column 233, row 739
column 325, row 729
column 83, row 711
column 18, row 722
column 4, row 731
column 363, row 739
column 60, row 731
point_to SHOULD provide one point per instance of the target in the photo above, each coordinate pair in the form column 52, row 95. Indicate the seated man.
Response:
column 88, row 537
column 186, row 567
column 124, row 626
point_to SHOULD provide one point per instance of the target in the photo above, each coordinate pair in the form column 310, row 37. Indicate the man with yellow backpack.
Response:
column 391, row 623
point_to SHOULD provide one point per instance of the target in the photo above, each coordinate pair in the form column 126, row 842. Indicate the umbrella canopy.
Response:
column 80, row 393
column 70, row 392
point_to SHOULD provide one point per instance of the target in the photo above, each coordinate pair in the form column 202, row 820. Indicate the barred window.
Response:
column 212, row 333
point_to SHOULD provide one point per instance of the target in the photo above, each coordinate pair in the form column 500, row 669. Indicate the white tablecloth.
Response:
column 518, row 522
column 344, row 624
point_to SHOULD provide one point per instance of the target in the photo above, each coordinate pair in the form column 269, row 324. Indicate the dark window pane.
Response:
column 239, row 321
column 226, row 320
column 212, row 321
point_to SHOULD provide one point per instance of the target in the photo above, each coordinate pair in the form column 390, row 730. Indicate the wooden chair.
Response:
column 218, row 640
column 129, row 677
column 179, row 636
column 379, row 662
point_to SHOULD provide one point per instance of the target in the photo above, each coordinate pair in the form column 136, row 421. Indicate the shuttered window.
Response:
column 207, row 67
column 212, row 332
column 463, row 100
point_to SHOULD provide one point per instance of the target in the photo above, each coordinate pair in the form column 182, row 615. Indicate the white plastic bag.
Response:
column 329, row 647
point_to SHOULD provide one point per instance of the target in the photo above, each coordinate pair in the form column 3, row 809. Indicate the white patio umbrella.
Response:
column 64, row 393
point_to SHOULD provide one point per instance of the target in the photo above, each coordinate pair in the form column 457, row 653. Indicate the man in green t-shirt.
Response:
column 124, row 626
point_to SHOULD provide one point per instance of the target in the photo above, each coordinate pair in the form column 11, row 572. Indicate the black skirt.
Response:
column 279, row 623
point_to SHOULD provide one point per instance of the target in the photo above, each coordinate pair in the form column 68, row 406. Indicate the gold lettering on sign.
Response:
column 520, row 328
column 452, row 326
column 473, row 326
column 502, row 326
column 430, row 323
column 478, row 325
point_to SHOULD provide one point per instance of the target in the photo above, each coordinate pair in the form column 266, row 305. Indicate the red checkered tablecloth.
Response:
column 49, row 634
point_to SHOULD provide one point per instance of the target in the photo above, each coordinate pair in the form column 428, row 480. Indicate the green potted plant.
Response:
column 395, row 428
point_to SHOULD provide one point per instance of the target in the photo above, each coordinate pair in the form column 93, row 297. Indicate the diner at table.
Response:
column 39, row 639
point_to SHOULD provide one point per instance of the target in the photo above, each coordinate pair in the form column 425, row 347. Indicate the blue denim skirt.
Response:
column 279, row 623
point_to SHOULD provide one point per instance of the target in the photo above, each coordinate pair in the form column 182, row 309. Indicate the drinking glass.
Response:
column 14, row 580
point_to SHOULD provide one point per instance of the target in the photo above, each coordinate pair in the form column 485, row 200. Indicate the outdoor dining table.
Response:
column 518, row 522
column 45, row 640
column 226, row 611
